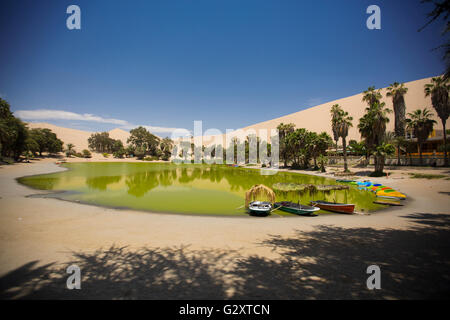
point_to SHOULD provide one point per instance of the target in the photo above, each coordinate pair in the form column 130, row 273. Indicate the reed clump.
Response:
column 294, row 187
column 259, row 192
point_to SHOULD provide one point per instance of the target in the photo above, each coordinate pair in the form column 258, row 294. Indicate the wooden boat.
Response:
column 296, row 208
column 334, row 207
column 345, row 181
column 260, row 208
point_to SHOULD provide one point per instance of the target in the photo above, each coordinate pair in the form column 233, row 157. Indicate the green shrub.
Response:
column 28, row 154
column 426, row 176
column 87, row 154
column 150, row 158
column 7, row 160
column 119, row 153
column 140, row 153
column 441, row 147
column 106, row 155
column 129, row 151
column 322, row 160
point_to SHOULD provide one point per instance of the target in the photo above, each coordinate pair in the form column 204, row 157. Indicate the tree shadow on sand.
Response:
column 365, row 173
column 327, row 263
column 333, row 261
column 119, row 273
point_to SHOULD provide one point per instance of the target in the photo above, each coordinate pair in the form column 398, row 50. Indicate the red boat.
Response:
column 335, row 207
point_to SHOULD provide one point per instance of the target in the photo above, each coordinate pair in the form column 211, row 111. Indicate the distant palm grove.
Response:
column 298, row 147
column 18, row 142
column 141, row 144
column 380, row 144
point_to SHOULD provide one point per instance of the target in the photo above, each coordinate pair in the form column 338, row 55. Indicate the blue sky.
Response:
column 229, row 63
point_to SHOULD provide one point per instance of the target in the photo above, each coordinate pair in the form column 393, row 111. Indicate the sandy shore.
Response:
column 129, row 254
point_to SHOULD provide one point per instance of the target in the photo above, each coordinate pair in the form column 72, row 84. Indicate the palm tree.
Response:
column 400, row 143
column 284, row 130
column 345, row 122
column 389, row 137
column 421, row 124
column 319, row 145
column 380, row 153
column 372, row 127
column 371, row 96
column 323, row 160
column 69, row 150
column 397, row 142
column 439, row 89
column 397, row 92
column 335, row 114
column 441, row 9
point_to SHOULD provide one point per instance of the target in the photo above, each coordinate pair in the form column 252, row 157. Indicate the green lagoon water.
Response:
column 183, row 189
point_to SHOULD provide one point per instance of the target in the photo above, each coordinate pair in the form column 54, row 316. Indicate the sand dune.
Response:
column 316, row 118
column 119, row 134
column 78, row 137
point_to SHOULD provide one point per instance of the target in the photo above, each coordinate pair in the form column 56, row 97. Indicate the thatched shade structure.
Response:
column 259, row 191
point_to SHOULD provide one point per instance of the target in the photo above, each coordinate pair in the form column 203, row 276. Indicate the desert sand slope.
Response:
column 318, row 118
column 119, row 134
column 78, row 137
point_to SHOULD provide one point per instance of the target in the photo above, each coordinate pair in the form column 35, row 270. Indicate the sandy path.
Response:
column 50, row 231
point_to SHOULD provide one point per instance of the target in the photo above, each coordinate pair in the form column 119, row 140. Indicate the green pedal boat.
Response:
column 296, row 208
